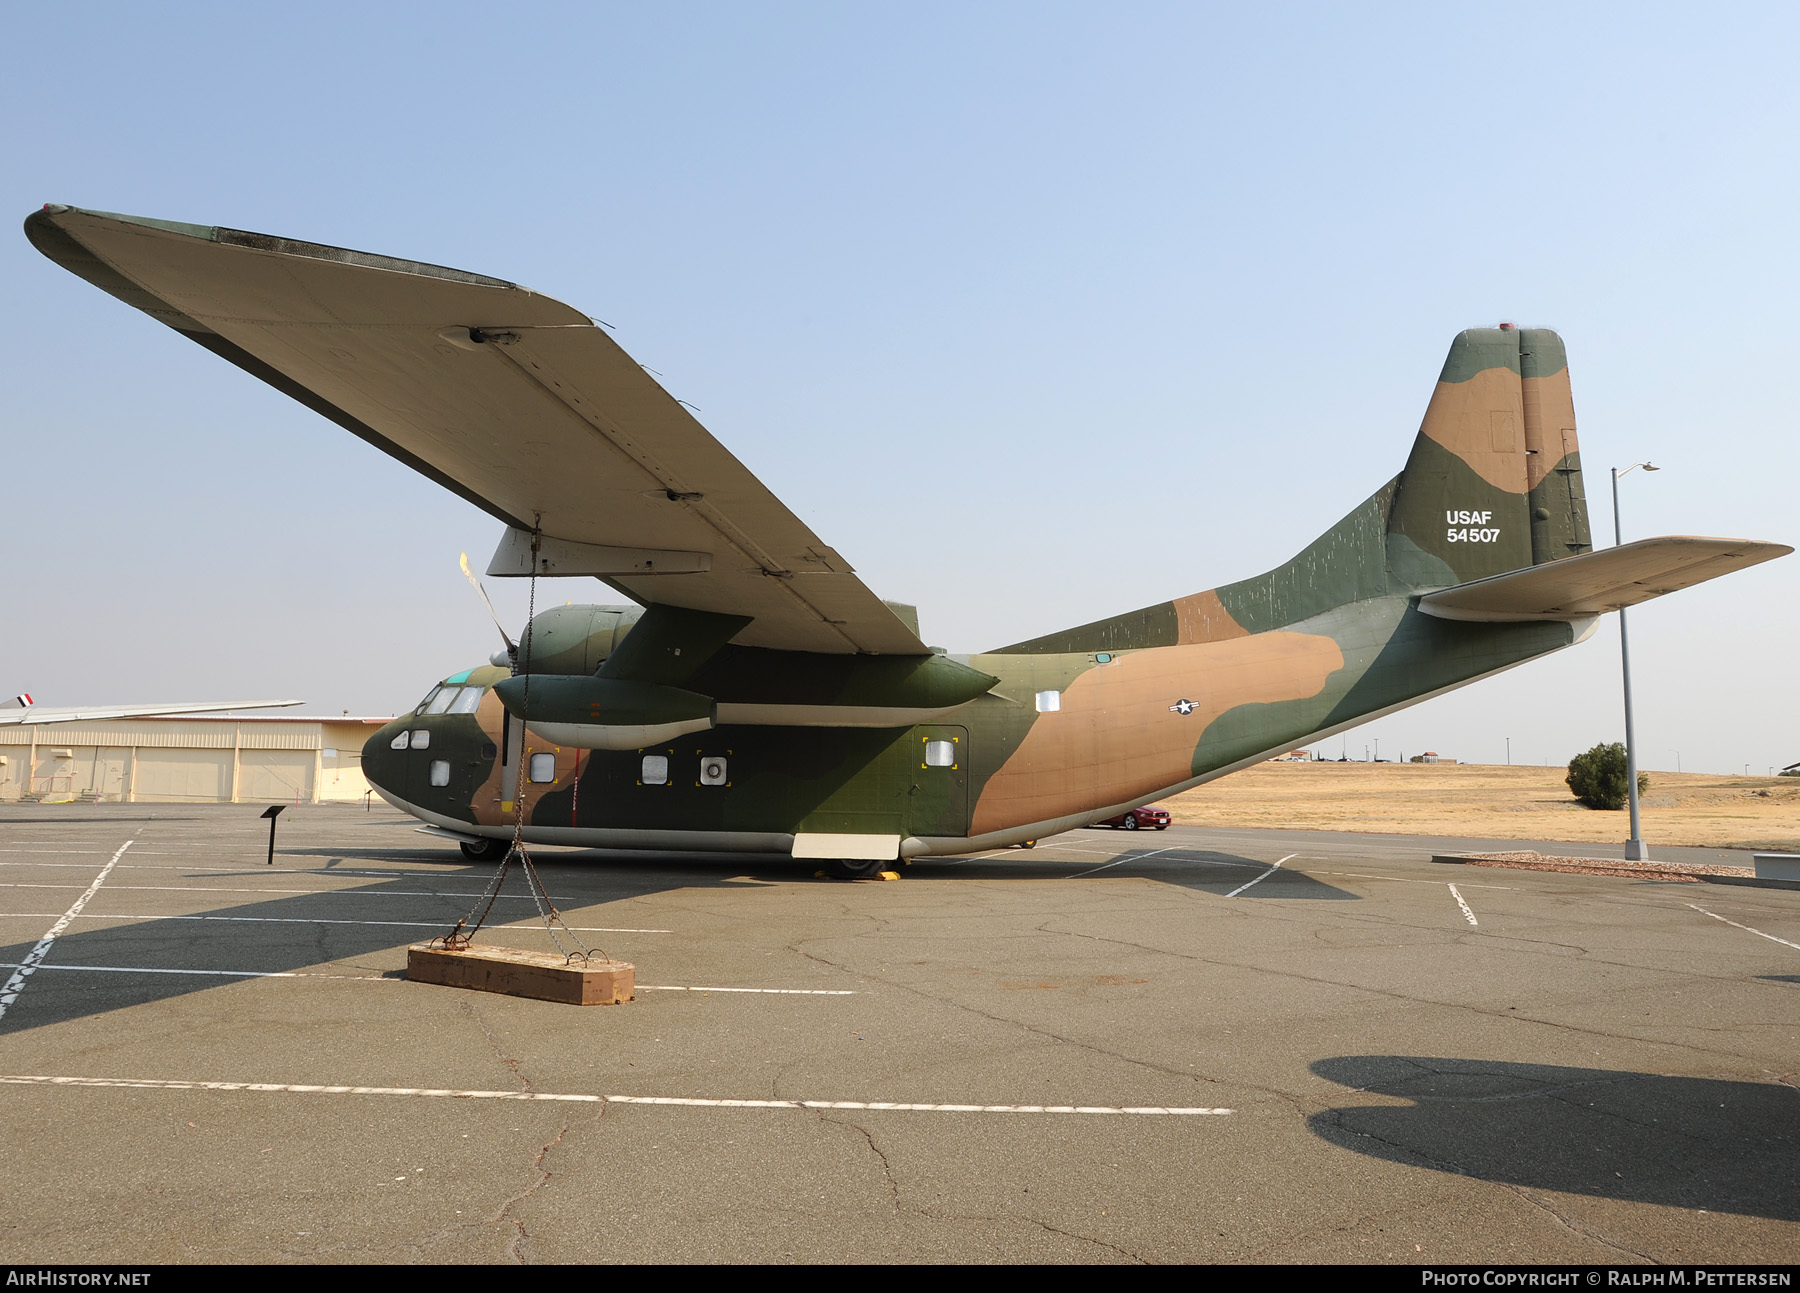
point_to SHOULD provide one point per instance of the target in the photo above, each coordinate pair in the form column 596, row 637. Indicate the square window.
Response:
column 421, row 739
column 468, row 702
column 440, row 772
column 656, row 770
column 543, row 768
column 940, row 754
column 712, row 771
column 1049, row 702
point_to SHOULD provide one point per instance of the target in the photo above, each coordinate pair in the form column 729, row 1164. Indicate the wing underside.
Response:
column 515, row 401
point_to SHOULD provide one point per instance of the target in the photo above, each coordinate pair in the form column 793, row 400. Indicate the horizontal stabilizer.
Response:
column 1596, row 582
column 93, row 713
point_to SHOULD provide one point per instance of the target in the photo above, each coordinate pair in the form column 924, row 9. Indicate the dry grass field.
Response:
column 1699, row 809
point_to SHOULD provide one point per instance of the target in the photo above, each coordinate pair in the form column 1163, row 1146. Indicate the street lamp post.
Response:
column 1634, row 847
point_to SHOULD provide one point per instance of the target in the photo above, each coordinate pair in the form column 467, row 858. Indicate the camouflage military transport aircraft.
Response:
column 760, row 697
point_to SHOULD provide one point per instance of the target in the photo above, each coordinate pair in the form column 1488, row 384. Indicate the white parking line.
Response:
column 222, row 974
column 243, row 868
column 773, row 991
column 1463, row 905
column 35, row 957
column 874, row 1106
column 388, row 978
column 1264, row 876
column 326, row 920
column 353, row 892
column 1716, row 916
column 1397, row 879
column 1117, row 861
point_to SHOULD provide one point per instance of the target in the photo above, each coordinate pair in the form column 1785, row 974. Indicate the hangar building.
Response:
column 187, row 760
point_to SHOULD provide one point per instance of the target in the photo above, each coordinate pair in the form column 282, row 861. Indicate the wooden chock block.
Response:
column 544, row 976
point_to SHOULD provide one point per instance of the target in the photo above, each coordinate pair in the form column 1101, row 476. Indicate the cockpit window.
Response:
column 441, row 701
column 429, row 697
column 468, row 702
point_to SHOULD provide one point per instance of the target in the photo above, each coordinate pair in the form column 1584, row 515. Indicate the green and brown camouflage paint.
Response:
column 1151, row 701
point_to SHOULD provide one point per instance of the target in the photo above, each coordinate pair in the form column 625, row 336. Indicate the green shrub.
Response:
column 1597, row 778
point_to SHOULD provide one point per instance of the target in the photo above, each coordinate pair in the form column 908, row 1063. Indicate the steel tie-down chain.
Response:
column 460, row 937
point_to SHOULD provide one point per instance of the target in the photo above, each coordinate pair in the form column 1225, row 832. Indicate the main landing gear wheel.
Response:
column 855, row 868
column 484, row 850
column 1130, row 822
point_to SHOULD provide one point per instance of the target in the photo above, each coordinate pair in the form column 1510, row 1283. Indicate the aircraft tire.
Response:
column 855, row 868
column 483, row 850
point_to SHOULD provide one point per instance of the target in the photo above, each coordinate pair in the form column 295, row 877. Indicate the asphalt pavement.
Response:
column 1175, row 1046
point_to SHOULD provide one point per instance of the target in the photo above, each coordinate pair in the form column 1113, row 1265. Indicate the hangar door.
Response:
column 182, row 774
column 276, row 775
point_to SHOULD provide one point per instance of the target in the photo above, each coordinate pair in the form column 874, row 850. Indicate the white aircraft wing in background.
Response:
column 22, row 710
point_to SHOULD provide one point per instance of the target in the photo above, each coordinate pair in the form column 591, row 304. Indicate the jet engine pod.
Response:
column 605, row 713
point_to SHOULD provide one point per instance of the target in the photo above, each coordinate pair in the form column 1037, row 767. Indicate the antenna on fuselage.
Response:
column 512, row 648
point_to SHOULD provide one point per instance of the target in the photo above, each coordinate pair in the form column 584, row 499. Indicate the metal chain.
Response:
column 459, row 937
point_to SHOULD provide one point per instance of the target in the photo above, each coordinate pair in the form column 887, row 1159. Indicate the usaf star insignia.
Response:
column 1182, row 707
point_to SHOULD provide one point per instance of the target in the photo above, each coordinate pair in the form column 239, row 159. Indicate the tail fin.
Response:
column 1493, row 485
column 1494, row 480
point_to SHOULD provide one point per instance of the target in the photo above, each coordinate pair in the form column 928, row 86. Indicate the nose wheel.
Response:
column 483, row 850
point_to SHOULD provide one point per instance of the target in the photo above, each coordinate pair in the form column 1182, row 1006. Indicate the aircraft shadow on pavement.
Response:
column 1682, row 1142
column 299, row 935
column 1200, row 870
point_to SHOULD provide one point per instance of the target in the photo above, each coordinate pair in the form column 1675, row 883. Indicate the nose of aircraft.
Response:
column 383, row 765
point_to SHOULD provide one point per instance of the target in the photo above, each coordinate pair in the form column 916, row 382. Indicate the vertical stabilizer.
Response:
column 1494, row 480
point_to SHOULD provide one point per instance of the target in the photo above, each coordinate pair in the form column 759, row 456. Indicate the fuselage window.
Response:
column 543, row 768
column 440, row 772
column 468, row 702
column 1049, row 702
column 656, row 770
column 442, row 701
column 421, row 739
column 400, row 742
column 940, row 754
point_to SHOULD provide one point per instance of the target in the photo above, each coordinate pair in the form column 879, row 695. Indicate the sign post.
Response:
column 272, row 814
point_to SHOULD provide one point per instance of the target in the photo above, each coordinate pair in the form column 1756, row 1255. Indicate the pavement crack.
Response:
column 516, row 1249
column 467, row 1007
column 1088, row 1239
column 887, row 1168
column 1575, row 1227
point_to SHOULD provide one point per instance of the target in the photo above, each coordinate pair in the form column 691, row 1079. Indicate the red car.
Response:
column 1144, row 819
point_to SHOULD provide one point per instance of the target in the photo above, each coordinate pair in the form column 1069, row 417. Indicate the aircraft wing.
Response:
column 1596, row 582
column 515, row 401
column 93, row 713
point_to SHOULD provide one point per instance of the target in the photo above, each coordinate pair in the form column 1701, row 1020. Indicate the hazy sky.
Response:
column 1035, row 312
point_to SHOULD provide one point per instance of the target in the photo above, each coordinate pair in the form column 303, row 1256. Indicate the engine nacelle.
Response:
column 605, row 713
column 574, row 639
